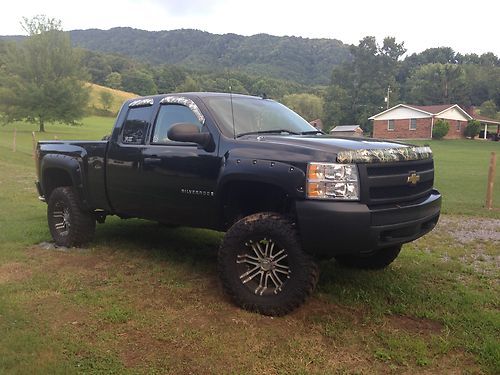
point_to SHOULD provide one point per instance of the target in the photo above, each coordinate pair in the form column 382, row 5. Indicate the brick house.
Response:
column 405, row 121
column 490, row 128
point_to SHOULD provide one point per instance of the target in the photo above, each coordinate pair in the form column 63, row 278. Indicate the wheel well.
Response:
column 243, row 198
column 54, row 178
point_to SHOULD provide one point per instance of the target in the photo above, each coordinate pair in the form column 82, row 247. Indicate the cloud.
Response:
column 187, row 7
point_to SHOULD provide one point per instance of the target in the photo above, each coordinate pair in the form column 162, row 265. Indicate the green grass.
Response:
column 462, row 175
column 145, row 299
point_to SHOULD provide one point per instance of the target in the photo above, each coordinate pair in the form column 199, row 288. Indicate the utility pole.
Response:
column 388, row 95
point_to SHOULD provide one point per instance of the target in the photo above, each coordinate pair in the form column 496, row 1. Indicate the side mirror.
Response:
column 185, row 132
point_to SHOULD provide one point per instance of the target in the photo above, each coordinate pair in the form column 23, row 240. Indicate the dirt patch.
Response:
column 411, row 324
column 317, row 308
column 465, row 229
column 11, row 272
column 53, row 246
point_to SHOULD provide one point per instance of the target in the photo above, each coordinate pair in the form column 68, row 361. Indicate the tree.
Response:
column 359, row 87
column 168, row 77
column 96, row 65
column 440, row 129
column 114, row 80
column 472, row 129
column 106, row 100
column 189, row 85
column 138, row 81
column 489, row 109
column 309, row 106
column 438, row 84
column 42, row 80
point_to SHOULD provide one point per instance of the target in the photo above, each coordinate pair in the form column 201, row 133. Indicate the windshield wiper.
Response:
column 274, row 131
column 312, row 132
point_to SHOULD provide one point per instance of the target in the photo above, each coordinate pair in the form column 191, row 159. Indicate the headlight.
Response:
column 332, row 181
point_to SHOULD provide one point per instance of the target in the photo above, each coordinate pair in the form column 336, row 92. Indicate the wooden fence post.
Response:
column 491, row 180
column 34, row 144
column 14, row 140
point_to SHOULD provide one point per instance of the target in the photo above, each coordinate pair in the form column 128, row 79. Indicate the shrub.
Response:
column 440, row 129
column 472, row 129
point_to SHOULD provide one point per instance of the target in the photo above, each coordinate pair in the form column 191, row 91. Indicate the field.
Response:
column 142, row 298
column 119, row 97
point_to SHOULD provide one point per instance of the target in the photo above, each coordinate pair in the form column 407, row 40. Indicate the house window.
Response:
column 390, row 125
column 413, row 124
column 459, row 126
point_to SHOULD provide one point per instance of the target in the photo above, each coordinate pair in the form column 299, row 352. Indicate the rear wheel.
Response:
column 69, row 225
column 262, row 266
column 373, row 260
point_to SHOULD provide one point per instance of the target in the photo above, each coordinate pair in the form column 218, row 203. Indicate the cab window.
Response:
column 136, row 125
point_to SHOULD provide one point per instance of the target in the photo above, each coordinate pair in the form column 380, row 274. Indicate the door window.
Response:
column 169, row 115
column 136, row 125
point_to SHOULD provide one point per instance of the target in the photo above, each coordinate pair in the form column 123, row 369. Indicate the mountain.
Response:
column 308, row 61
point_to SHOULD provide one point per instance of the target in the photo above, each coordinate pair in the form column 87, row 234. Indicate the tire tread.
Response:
column 275, row 222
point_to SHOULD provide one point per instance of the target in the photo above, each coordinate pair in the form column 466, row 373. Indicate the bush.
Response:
column 440, row 129
column 472, row 129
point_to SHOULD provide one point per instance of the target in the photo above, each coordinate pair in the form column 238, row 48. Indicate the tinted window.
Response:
column 169, row 115
column 136, row 125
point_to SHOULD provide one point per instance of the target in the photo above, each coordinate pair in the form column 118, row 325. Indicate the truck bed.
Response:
column 90, row 156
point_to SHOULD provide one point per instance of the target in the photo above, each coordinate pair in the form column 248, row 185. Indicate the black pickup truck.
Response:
column 284, row 192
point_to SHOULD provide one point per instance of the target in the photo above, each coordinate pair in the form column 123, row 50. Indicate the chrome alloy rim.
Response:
column 264, row 267
column 61, row 217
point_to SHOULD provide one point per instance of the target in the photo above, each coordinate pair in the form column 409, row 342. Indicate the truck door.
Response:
column 180, row 177
column 124, row 170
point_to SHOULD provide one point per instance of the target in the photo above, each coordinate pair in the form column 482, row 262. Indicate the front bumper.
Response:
column 328, row 228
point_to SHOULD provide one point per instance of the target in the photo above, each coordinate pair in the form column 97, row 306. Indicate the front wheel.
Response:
column 69, row 225
column 262, row 266
column 373, row 260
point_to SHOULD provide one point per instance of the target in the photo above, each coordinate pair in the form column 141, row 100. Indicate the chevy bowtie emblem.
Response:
column 413, row 178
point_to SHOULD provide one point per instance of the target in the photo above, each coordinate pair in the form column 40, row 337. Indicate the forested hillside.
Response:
column 308, row 61
column 318, row 78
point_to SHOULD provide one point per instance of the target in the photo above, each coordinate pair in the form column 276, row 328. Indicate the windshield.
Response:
column 255, row 115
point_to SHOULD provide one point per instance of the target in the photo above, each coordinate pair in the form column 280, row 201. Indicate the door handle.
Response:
column 153, row 160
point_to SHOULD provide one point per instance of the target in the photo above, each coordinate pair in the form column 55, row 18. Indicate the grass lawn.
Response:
column 142, row 298
column 462, row 175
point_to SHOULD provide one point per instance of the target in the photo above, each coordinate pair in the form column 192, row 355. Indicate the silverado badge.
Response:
column 413, row 178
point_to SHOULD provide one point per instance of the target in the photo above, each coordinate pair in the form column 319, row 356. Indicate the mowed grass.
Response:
column 142, row 298
column 462, row 175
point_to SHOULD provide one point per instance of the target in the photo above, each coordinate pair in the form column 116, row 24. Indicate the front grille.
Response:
column 385, row 192
column 388, row 182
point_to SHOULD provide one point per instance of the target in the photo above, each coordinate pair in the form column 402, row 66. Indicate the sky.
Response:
column 467, row 27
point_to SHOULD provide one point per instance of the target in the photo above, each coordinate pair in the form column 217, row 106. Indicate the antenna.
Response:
column 231, row 99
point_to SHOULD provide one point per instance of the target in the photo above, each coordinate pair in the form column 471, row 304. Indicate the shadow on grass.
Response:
column 154, row 241
column 408, row 286
column 197, row 248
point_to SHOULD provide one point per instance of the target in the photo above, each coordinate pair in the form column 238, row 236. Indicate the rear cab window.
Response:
column 136, row 125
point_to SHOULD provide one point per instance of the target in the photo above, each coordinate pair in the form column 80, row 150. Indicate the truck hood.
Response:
column 347, row 150
column 329, row 143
